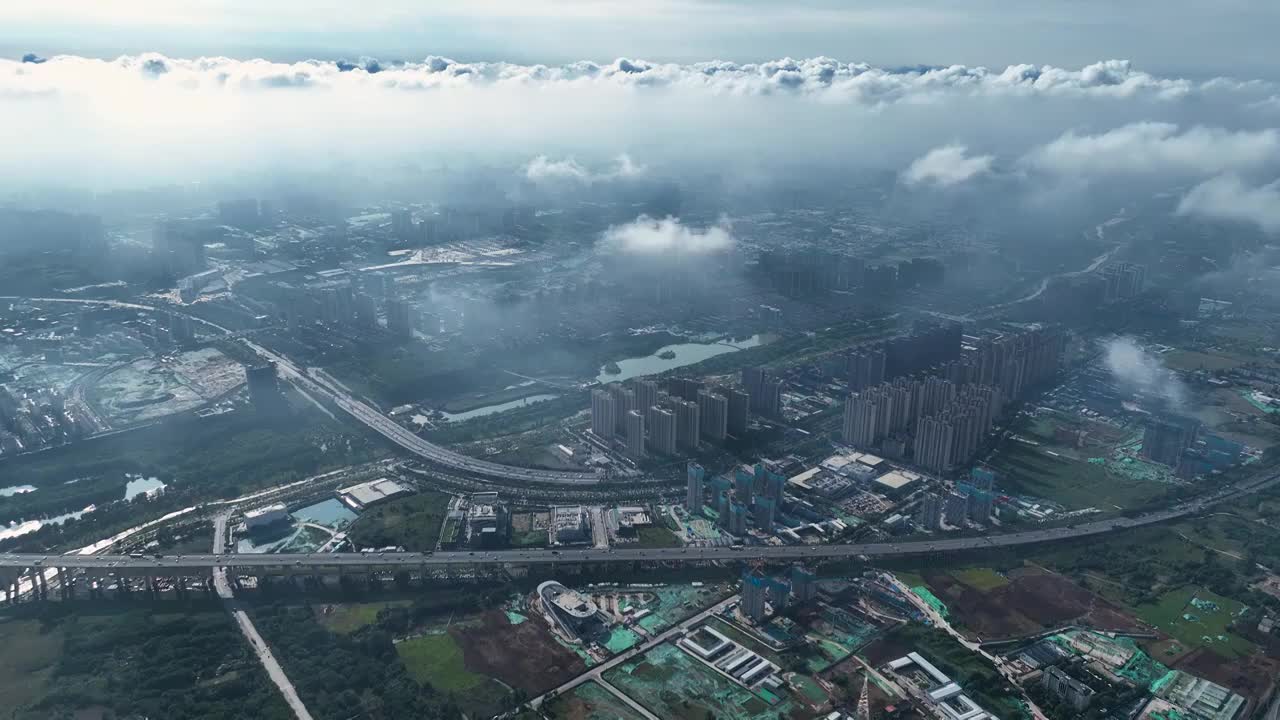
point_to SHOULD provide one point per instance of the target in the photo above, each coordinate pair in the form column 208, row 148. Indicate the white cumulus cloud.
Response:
column 833, row 79
column 652, row 236
column 1227, row 197
column 947, row 165
column 544, row 169
column 1156, row 147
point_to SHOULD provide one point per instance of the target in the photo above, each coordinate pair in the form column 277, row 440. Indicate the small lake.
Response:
column 18, row 529
column 685, row 354
column 502, row 407
column 330, row 513
column 16, row 490
column 142, row 486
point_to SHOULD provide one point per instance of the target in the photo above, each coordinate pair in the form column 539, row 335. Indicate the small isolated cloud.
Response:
column 544, row 169
column 1151, row 148
column 651, row 236
column 1137, row 371
column 946, row 166
column 1227, row 197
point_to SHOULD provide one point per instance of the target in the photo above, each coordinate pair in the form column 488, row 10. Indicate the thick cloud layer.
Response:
column 142, row 120
column 1227, row 197
column 946, row 166
column 839, row 81
column 651, row 236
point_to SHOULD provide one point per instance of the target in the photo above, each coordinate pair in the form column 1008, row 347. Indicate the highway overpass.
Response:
column 14, row 567
column 375, row 419
column 324, row 563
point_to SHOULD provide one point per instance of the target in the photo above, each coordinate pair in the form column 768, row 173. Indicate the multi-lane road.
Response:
column 364, row 412
column 390, row 561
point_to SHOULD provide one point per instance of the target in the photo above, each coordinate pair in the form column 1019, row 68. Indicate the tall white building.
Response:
column 661, row 425
column 635, row 434
column 693, row 490
column 604, row 414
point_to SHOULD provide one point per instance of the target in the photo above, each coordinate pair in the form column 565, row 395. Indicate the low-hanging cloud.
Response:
column 544, row 169
column 652, row 236
column 947, row 165
column 1157, row 147
column 1137, row 371
column 1227, row 197
column 143, row 120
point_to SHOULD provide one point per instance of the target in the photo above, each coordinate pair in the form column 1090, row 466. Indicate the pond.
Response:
column 501, row 407
column 330, row 513
column 671, row 357
column 142, row 486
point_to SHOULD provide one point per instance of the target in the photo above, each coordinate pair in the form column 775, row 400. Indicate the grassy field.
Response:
column 909, row 579
column 1192, row 360
column 657, row 537
column 412, row 523
column 436, row 660
column 1207, row 626
column 350, row 617
column 983, row 579
column 27, row 661
column 1028, row 470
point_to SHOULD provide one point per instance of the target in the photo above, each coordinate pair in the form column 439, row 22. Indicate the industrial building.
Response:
column 896, row 484
column 940, row 691
column 1071, row 691
column 740, row 664
column 368, row 494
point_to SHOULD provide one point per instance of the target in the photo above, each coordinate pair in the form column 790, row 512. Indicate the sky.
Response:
column 1046, row 100
column 1175, row 37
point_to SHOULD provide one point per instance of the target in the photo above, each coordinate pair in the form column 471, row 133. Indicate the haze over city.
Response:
column 653, row 359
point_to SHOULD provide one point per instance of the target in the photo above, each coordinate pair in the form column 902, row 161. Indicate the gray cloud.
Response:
column 1156, row 147
column 651, row 236
column 1227, row 197
column 947, row 165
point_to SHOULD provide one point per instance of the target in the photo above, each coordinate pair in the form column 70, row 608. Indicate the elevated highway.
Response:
column 375, row 419
column 331, row 563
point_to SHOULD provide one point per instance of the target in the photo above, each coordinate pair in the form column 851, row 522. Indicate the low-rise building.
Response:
column 265, row 517
column 371, row 493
